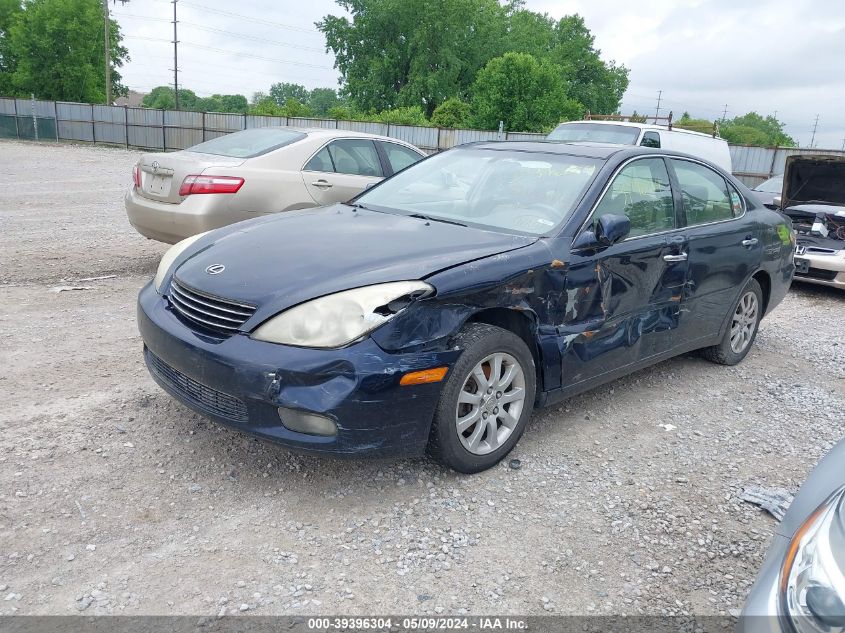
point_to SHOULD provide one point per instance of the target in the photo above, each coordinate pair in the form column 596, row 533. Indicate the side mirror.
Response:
column 777, row 202
column 612, row 228
column 609, row 229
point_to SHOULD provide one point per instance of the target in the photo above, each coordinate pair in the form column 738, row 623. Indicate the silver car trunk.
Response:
column 162, row 173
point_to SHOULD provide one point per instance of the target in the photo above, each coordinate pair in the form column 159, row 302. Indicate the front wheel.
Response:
column 740, row 335
column 486, row 401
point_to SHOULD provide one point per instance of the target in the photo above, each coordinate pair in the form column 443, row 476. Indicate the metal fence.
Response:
column 172, row 130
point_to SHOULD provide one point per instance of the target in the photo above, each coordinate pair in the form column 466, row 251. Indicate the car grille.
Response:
column 210, row 312
column 819, row 273
column 205, row 398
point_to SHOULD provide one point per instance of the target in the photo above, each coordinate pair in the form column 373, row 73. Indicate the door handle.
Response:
column 322, row 184
column 752, row 241
column 680, row 257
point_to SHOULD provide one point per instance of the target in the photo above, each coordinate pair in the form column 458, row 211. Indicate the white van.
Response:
column 706, row 146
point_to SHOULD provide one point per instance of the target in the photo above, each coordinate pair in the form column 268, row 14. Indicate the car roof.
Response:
column 590, row 150
column 642, row 126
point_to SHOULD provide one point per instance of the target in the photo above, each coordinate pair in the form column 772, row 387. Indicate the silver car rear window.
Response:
column 248, row 143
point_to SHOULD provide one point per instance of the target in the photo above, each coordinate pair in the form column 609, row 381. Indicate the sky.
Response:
column 781, row 57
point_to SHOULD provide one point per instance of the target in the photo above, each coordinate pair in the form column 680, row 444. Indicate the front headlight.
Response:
column 812, row 582
column 170, row 256
column 338, row 319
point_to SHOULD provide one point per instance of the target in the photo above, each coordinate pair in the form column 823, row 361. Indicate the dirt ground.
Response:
column 116, row 499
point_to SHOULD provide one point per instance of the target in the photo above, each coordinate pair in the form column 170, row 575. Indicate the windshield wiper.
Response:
column 433, row 219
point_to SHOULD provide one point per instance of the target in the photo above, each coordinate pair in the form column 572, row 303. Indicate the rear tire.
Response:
column 486, row 401
column 742, row 329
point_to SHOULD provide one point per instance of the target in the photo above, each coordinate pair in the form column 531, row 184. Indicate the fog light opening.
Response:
column 307, row 422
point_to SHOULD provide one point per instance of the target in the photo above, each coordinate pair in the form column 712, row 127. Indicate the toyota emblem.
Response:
column 215, row 269
column 155, row 165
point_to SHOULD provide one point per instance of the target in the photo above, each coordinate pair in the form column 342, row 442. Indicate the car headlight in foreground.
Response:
column 170, row 256
column 812, row 581
column 341, row 318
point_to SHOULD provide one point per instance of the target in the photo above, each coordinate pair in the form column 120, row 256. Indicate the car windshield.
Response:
column 514, row 191
column 596, row 133
column 772, row 185
column 248, row 143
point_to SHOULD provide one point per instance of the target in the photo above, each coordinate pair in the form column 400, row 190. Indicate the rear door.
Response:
column 397, row 157
column 341, row 170
column 724, row 244
column 624, row 302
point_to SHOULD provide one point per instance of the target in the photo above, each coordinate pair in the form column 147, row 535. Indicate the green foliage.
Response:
column 282, row 92
column 221, row 103
column 321, row 100
column 411, row 115
column 53, row 48
column 528, row 95
column 452, row 113
column 754, row 129
column 405, row 52
column 686, row 122
column 267, row 106
column 637, row 118
column 162, row 98
column 294, row 107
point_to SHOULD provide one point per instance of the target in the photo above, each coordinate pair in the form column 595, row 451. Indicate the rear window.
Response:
column 595, row 132
column 248, row 143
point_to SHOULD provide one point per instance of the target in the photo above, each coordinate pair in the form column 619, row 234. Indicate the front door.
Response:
column 624, row 302
column 724, row 245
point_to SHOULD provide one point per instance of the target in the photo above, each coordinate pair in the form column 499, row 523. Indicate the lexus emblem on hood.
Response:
column 215, row 269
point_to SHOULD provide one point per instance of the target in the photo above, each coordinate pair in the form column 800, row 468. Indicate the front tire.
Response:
column 742, row 330
column 486, row 401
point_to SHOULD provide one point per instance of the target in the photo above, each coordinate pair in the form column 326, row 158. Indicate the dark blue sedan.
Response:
column 437, row 309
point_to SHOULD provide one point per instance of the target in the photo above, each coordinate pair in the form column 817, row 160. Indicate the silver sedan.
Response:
column 254, row 172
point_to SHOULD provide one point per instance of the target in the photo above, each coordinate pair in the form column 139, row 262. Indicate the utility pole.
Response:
column 815, row 126
column 843, row 144
column 657, row 111
column 106, row 50
column 725, row 113
column 175, row 59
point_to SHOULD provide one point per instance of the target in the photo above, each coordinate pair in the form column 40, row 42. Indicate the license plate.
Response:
column 160, row 185
column 802, row 265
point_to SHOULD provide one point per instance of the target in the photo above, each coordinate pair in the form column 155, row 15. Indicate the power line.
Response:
column 249, row 18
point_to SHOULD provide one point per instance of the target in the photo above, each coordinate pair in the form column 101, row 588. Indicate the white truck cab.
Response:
column 619, row 132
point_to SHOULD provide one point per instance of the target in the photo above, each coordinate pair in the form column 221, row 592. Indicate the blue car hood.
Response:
column 280, row 260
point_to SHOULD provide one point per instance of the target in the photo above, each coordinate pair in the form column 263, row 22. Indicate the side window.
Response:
column 651, row 139
column 355, row 157
column 399, row 156
column 321, row 161
column 705, row 194
column 642, row 192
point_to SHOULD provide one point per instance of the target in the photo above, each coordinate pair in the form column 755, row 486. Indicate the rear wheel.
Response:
column 486, row 401
column 742, row 330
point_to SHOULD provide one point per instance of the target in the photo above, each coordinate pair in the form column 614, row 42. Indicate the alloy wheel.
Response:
column 744, row 322
column 490, row 403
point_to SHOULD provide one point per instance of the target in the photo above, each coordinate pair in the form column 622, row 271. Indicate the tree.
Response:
column 528, row 95
column 599, row 86
column 414, row 52
column 221, row 103
column 451, row 113
column 281, row 92
column 321, row 100
column 410, row 115
column 754, row 129
column 54, row 49
column 409, row 53
column 162, row 98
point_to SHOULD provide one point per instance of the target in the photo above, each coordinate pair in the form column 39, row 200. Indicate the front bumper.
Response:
column 760, row 614
column 241, row 382
column 826, row 270
column 170, row 223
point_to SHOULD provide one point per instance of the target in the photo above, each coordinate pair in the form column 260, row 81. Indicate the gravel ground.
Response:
column 116, row 499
